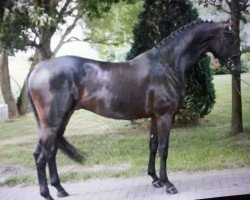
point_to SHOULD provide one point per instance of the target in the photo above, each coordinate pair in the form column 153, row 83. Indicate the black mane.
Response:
column 181, row 30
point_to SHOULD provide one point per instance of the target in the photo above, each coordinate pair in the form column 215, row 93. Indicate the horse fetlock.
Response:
column 55, row 182
column 60, row 190
column 157, row 184
column 151, row 172
column 44, row 191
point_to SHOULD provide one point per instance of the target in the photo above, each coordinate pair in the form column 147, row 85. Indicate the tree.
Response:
column 4, row 70
column 237, row 9
column 5, row 86
column 157, row 21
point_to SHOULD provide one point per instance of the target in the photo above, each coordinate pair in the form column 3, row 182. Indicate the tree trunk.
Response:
column 236, row 123
column 5, row 86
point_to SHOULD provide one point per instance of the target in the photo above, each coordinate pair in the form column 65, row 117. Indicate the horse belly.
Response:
column 104, row 103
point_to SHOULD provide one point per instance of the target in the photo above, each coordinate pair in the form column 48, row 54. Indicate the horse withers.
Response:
column 152, row 85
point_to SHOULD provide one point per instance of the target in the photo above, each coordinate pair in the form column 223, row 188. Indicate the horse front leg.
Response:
column 163, row 128
column 153, row 146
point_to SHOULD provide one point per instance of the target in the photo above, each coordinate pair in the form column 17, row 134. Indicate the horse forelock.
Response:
column 181, row 30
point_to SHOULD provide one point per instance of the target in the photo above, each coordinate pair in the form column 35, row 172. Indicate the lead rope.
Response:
column 245, row 82
column 239, row 91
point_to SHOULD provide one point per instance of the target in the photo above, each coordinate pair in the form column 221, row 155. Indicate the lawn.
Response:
column 113, row 148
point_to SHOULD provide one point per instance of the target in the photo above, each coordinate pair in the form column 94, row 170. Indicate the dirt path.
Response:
column 196, row 185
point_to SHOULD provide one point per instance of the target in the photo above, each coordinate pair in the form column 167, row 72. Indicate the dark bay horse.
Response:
column 152, row 85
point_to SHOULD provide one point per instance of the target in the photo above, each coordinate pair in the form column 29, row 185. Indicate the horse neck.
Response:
column 182, row 51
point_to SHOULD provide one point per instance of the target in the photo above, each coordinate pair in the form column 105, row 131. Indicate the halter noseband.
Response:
column 229, row 62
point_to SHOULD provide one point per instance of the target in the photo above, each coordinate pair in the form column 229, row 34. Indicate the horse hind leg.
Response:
column 45, row 143
column 54, row 177
column 64, row 109
column 53, row 115
column 46, row 153
column 41, row 158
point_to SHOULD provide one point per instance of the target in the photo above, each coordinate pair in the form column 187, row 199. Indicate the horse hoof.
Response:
column 49, row 197
column 157, row 184
column 62, row 193
column 172, row 190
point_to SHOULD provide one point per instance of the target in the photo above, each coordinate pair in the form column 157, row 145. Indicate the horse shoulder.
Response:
column 165, row 91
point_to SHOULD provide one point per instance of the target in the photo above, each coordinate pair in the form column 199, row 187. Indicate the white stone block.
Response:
column 4, row 113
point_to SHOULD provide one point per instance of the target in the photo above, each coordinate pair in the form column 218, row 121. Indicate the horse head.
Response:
column 223, row 46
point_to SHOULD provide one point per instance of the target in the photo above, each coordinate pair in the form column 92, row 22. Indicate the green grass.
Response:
column 115, row 149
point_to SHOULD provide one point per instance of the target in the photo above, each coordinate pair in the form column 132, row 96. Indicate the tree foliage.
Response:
column 226, row 7
column 158, row 19
column 13, row 26
column 111, row 34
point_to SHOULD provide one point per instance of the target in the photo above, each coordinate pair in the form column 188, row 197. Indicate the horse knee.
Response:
column 151, row 172
column 153, row 150
column 163, row 152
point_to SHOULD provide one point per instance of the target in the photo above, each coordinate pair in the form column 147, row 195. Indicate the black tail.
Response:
column 69, row 150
